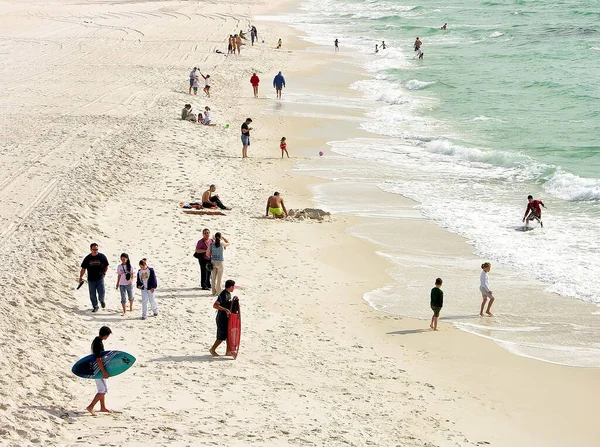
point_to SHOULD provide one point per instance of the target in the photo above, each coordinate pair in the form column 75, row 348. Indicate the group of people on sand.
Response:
column 195, row 75
column 188, row 114
column 532, row 212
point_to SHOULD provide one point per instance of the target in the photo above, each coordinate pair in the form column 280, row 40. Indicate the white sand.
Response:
column 93, row 150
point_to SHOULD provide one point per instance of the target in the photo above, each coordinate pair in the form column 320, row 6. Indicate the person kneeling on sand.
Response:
column 206, row 121
column 212, row 201
column 276, row 206
column 223, row 306
column 101, row 384
column 187, row 114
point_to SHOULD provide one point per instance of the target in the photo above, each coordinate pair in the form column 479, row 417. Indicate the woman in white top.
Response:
column 484, row 287
column 206, row 120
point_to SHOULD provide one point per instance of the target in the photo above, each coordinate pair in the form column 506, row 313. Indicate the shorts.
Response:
column 126, row 290
column 195, row 89
column 222, row 325
column 206, row 122
column 436, row 311
column 102, row 385
column 484, row 293
column 191, row 82
column 246, row 140
column 276, row 211
column 207, row 87
column 532, row 216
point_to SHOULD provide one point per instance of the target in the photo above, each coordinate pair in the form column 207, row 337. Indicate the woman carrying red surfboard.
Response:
column 223, row 306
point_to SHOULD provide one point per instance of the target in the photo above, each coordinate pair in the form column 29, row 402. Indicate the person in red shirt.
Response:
column 533, row 211
column 254, row 81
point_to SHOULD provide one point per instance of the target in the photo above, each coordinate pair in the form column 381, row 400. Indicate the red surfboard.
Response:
column 234, row 330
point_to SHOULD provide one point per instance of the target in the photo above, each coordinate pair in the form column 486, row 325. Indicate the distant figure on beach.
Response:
column 279, row 44
column 376, row 48
column 336, row 44
column 223, row 306
column 418, row 44
column 383, row 45
column 238, row 43
column 147, row 283
column 436, row 302
column 254, row 80
column 215, row 253
column 195, row 85
column 283, row 147
column 212, row 201
column 200, row 254
column 444, row 26
column 206, row 84
column 253, row 35
column 276, row 207
column 533, row 211
column 246, row 137
column 125, row 282
column 101, row 384
column 243, row 34
column 233, row 44
column 278, row 84
column 96, row 266
column 193, row 76
column 484, row 287
column 187, row 114
column 230, row 44
column 207, row 121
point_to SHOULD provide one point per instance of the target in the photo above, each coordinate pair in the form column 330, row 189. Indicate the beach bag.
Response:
column 209, row 266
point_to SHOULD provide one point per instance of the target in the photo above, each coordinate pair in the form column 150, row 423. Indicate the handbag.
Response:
column 209, row 266
column 197, row 255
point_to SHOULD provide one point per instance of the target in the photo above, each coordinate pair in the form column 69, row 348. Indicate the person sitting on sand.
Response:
column 484, row 288
column 187, row 114
column 212, row 201
column 437, row 302
column 223, row 306
column 276, row 207
column 206, row 121
column 101, row 384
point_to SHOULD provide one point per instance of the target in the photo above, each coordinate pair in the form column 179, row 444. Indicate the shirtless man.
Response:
column 418, row 44
column 533, row 211
column 276, row 206
column 212, row 201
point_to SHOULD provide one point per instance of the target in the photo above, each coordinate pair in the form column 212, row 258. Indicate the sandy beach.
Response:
column 94, row 151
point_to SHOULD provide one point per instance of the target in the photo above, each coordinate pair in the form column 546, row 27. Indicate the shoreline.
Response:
column 318, row 365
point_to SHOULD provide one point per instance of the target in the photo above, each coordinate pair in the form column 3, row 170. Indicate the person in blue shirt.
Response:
column 278, row 84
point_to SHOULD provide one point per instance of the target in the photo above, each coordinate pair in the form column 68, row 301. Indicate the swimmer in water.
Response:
column 444, row 26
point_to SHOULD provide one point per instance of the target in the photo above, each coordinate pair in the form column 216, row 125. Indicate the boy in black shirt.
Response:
column 437, row 302
column 223, row 305
column 101, row 384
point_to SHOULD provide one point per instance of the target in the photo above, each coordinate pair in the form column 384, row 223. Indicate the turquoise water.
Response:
column 504, row 104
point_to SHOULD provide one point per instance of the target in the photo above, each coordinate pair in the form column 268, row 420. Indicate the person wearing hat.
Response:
column 246, row 137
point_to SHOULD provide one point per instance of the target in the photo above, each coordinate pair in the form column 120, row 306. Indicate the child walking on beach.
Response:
column 283, row 147
column 101, row 384
column 484, row 287
column 146, row 281
column 125, row 282
column 437, row 302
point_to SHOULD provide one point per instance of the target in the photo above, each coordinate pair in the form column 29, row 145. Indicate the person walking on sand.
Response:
column 276, row 207
column 215, row 254
column 278, row 84
column 223, row 306
column 533, row 211
column 283, row 147
column 437, row 302
column 252, row 35
column 212, row 201
column 147, row 283
column 230, row 44
column 336, row 44
column 96, row 266
column 418, row 44
column 201, row 250
column 193, row 76
column 238, row 43
column 101, row 384
column 484, row 287
column 246, row 137
column 279, row 44
column 254, row 80
column 206, row 84
column 125, row 282
column 233, row 45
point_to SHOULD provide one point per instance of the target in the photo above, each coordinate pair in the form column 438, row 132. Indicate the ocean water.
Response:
column 504, row 104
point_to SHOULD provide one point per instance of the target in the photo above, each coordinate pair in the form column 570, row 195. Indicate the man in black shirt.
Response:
column 101, row 384
column 223, row 305
column 437, row 302
column 96, row 265
column 246, row 137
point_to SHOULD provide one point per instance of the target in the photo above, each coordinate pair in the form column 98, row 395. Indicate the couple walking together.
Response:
column 210, row 255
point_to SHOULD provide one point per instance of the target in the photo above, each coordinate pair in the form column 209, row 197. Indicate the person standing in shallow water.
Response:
column 418, row 44
column 336, row 43
column 484, row 288
column 437, row 302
